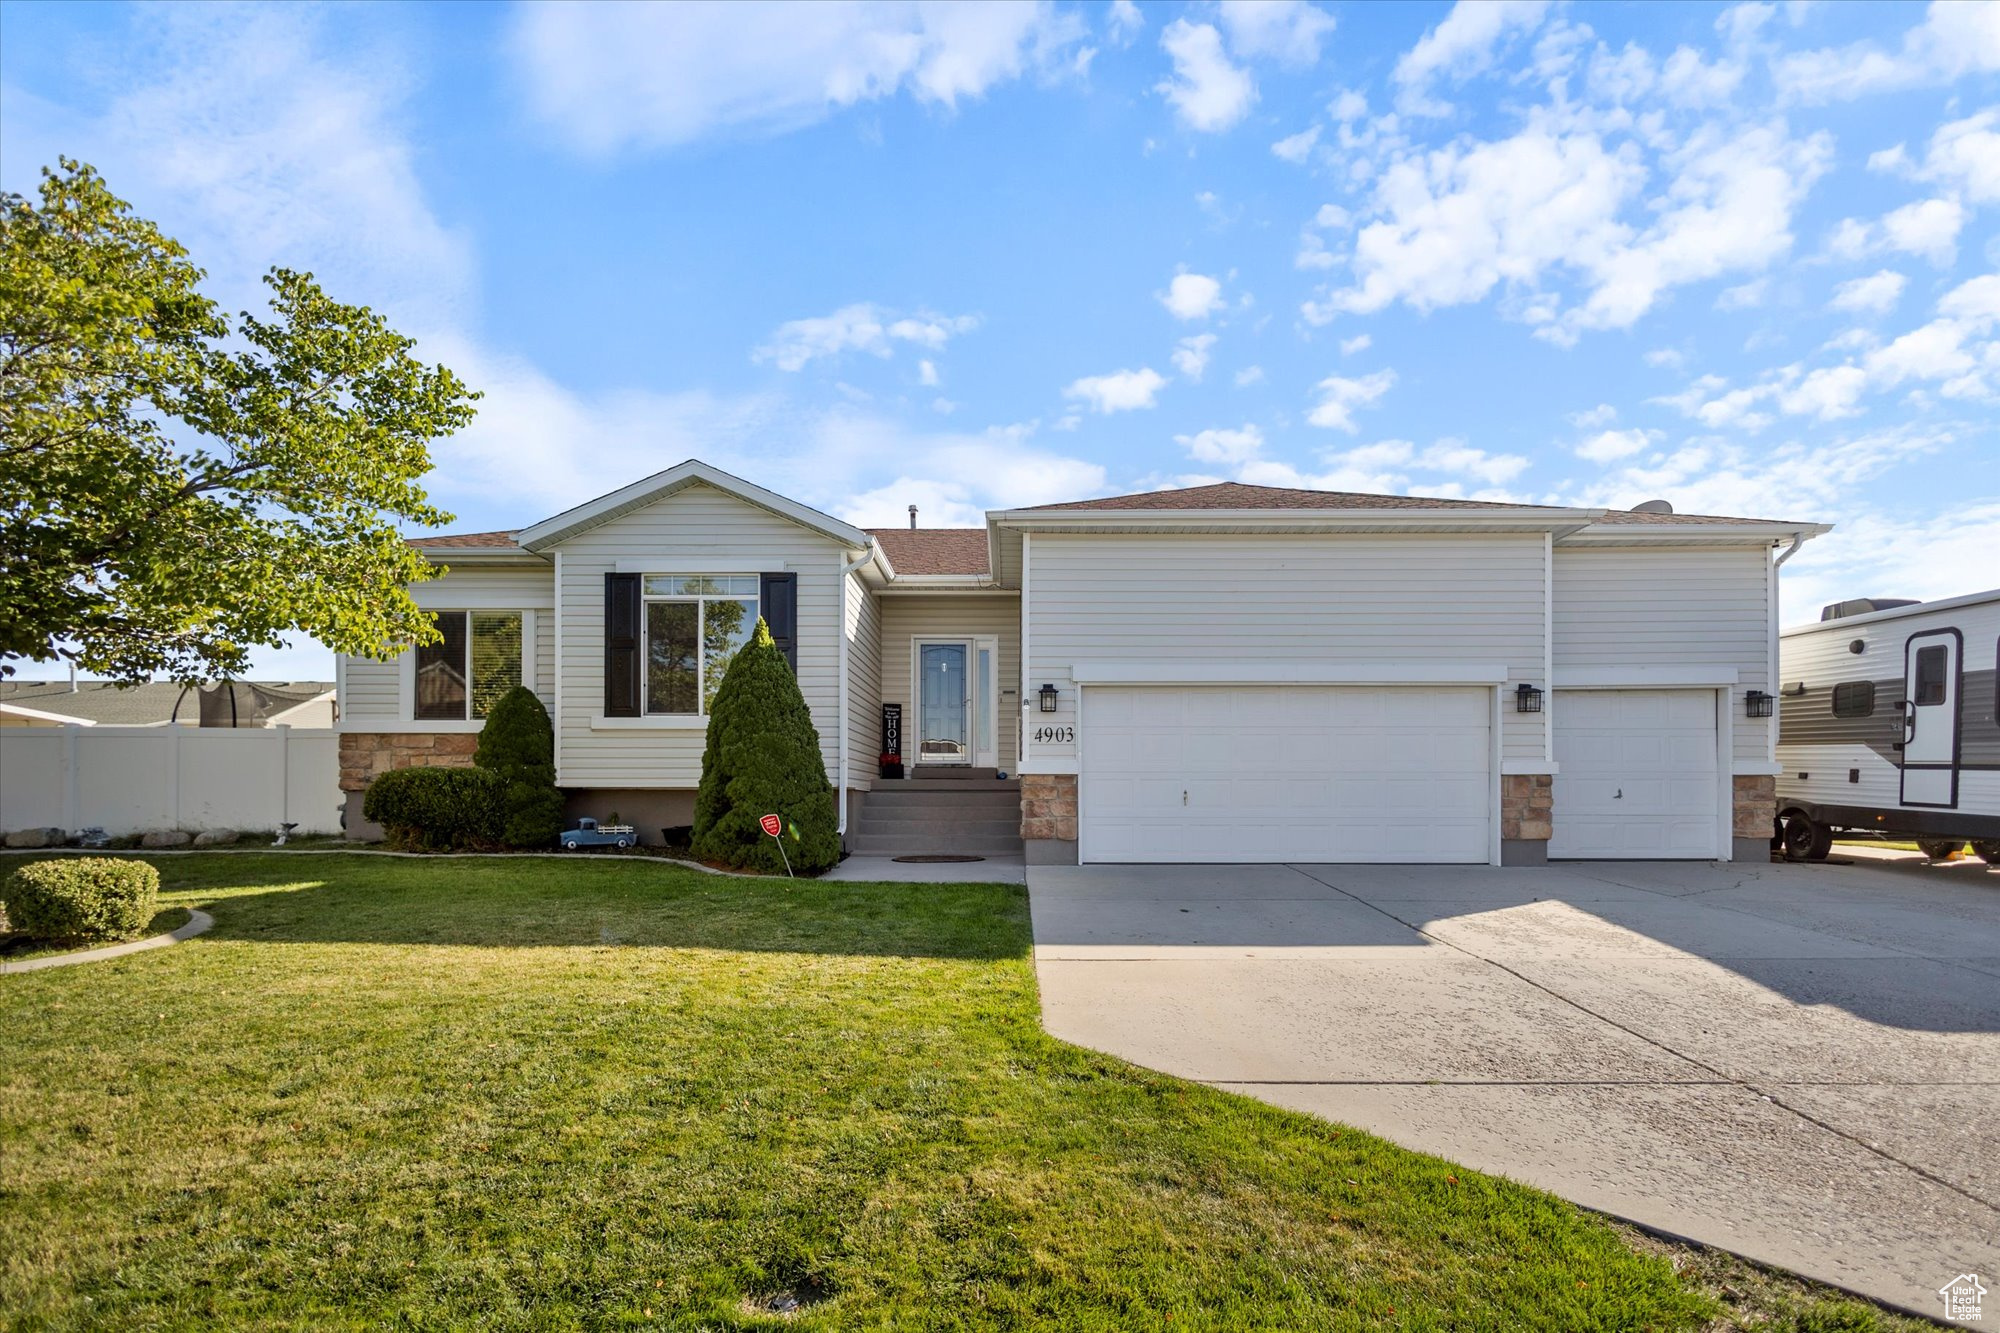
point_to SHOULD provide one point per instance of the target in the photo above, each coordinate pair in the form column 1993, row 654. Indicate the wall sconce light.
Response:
column 1047, row 698
column 1756, row 703
column 1857, row 646
column 1527, row 699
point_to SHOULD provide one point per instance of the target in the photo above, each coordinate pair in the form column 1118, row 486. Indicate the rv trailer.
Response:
column 1888, row 722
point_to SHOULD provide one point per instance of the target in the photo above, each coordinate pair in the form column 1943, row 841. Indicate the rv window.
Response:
column 1854, row 698
column 1930, row 675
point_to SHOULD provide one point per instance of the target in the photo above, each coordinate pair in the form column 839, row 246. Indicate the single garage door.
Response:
column 1636, row 774
column 1285, row 773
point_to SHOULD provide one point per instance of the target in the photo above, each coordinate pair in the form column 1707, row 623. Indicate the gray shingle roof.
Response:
column 933, row 550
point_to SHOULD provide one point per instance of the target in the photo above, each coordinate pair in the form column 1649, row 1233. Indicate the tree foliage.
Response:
column 763, row 757
column 518, row 745
column 175, row 489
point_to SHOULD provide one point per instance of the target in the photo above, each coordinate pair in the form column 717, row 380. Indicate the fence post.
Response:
column 284, row 730
column 174, row 761
column 71, row 782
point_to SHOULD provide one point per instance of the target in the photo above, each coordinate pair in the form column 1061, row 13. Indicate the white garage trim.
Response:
column 1279, row 673
column 1718, row 701
column 1489, row 712
column 1644, row 677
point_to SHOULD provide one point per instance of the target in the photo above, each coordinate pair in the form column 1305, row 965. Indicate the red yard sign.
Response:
column 772, row 825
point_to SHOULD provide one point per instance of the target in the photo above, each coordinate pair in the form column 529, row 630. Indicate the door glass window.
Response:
column 982, row 742
column 1929, row 688
column 942, row 700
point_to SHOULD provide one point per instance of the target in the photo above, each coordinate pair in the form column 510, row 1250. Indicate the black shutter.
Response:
column 622, row 677
column 778, row 598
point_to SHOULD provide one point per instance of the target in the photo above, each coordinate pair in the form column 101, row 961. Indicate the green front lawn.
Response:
column 567, row 1094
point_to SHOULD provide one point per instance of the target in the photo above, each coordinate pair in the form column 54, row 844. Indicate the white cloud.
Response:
column 1611, row 445
column 1939, row 554
column 1965, row 155
column 1296, row 148
column 966, row 475
column 1876, row 294
column 1340, row 396
column 1124, row 21
column 1192, row 296
column 1744, row 297
column 1223, row 446
column 861, row 327
column 1461, row 46
column 1248, row 376
column 1890, row 159
column 1957, row 37
column 1665, row 358
column 1348, row 106
column 1191, row 355
column 1207, row 92
column 1689, row 81
column 1120, row 391
column 1928, row 229
column 1360, row 342
column 1601, row 415
column 1289, row 31
column 1458, row 458
column 927, row 374
column 607, row 77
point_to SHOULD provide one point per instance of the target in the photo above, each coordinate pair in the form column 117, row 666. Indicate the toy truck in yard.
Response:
column 589, row 833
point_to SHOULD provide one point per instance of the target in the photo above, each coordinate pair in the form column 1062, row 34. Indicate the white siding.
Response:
column 1331, row 600
column 970, row 615
column 703, row 530
column 1634, row 607
column 372, row 691
column 864, row 683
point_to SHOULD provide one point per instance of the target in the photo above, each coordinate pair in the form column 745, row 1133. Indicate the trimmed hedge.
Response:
column 83, row 898
column 437, row 809
column 763, row 757
column 518, row 744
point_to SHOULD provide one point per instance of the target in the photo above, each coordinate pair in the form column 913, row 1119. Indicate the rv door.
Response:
column 1930, row 718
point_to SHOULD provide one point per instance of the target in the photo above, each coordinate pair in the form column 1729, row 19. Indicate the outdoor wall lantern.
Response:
column 1527, row 699
column 1756, row 703
column 1047, row 697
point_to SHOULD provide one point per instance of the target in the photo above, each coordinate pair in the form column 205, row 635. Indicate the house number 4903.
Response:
column 1055, row 735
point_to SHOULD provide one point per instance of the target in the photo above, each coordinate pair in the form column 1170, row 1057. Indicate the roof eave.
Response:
column 1533, row 519
column 1750, row 531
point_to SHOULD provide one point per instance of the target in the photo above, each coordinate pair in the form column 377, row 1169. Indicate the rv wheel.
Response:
column 1989, row 852
column 1939, row 849
column 1805, row 840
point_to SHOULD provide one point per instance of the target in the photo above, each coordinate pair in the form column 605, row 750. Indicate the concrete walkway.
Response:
column 1797, row 1063
column 198, row 921
column 991, row 870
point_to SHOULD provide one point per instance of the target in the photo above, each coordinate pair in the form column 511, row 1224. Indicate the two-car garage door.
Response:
column 1286, row 773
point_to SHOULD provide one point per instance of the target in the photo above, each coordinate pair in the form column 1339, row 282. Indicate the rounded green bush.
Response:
column 437, row 809
column 519, row 744
column 764, row 757
column 82, row 898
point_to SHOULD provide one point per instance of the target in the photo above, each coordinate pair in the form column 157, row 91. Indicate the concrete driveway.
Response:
column 1797, row 1063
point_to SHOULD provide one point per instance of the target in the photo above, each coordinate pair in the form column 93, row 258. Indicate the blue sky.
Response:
column 1742, row 257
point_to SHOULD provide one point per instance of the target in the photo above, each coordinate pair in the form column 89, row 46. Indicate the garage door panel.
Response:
column 1638, row 774
column 1287, row 773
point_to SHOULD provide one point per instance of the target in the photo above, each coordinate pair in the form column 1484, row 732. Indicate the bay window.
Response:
column 477, row 659
column 694, row 624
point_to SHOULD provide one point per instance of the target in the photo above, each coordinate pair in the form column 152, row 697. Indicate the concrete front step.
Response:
column 888, row 844
column 981, row 805
column 940, row 828
column 947, row 785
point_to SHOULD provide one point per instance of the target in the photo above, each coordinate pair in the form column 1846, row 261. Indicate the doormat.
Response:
column 933, row 860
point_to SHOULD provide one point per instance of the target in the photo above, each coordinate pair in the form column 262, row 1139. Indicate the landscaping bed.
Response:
column 616, row 1092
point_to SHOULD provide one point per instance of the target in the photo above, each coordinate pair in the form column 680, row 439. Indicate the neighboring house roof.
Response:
column 920, row 551
column 466, row 541
column 1241, row 495
column 100, row 703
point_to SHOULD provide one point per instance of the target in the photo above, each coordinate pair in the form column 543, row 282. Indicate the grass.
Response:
column 548, row 1094
column 16, row 946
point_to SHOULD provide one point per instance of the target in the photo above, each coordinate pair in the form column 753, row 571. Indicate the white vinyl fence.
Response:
column 135, row 779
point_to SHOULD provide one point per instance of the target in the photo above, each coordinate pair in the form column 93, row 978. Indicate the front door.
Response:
column 944, row 703
column 1930, row 719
